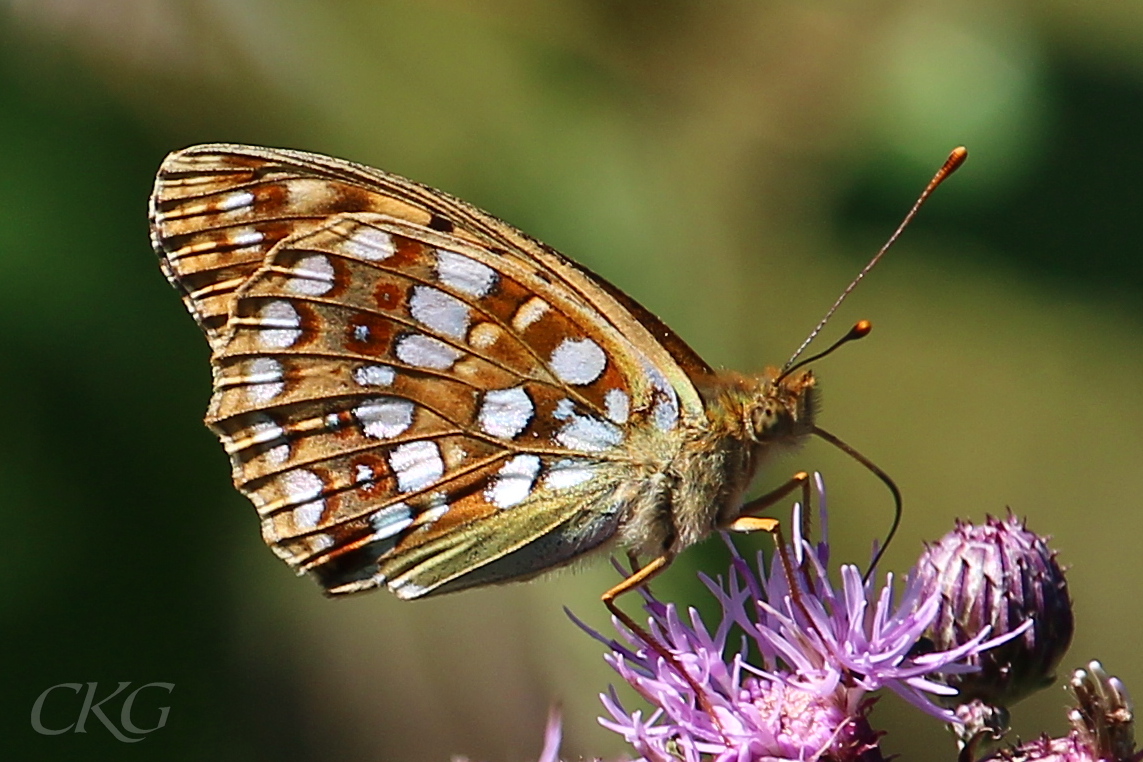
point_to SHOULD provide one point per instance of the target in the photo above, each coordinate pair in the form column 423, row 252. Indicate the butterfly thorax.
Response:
column 749, row 419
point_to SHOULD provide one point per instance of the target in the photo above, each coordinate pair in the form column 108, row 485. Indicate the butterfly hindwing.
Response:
column 383, row 386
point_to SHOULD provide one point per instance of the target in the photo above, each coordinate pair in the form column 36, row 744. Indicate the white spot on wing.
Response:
column 362, row 474
column 391, row 520
column 417, row 465
column 505, row 413
column 374, row 375
column 370, row 244
column 565, row 409
column 529, row 312
column 301, row 485
column 278, row 455
column 589, row 434
column 665, row 413
column 303, row 490
column 312, row 275
column 431, row 514
column 464, row 273
column 618, row 405
column 361, row 332
column 384, row 417
column 441, row 312
column 267, row 431
column 236, row 201
column 406, row 590
column 578, row 361
column 426, row 352
column 565, row 474
column 244, row 237
column 280, row 325
column 513, row 483
column 307, row 515
column 263, row 380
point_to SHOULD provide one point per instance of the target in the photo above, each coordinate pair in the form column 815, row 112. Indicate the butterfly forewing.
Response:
column 412, row 394
column 217, row 210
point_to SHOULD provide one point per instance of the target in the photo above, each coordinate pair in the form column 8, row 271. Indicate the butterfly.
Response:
column 418, row 396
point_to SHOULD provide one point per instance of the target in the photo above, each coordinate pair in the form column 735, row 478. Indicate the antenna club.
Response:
column 958, row 156
column 861, row 329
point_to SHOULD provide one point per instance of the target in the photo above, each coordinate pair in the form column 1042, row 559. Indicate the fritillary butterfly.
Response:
column 416, row 395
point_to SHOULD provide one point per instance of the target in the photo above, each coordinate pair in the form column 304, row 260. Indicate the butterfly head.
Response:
column 784, row 411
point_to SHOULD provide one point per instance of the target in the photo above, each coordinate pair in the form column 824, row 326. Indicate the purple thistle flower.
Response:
column 823, row 651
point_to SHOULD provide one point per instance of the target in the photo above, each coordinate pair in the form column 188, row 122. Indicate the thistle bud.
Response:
column 1000, row 576
column 1103, row 724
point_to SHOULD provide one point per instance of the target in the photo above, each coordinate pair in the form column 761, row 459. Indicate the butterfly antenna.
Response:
column 955, row 159
column 898, row 507
column 860, row 330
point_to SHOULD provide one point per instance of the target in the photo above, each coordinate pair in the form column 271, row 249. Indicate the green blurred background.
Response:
column 730, row 164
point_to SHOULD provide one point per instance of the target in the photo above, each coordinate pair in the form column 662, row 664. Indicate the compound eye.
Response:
column 764, row 419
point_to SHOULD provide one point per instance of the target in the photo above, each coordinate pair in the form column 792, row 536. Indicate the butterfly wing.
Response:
column 414, row 394
column 218, row 208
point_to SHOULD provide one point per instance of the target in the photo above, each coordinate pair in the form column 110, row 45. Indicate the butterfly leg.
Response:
column 747, row 524
column 799, row 480
column 639, row 577
column 761, row 503
column 772, row 527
